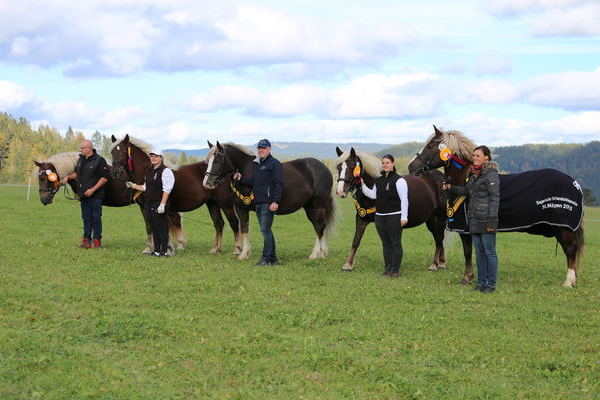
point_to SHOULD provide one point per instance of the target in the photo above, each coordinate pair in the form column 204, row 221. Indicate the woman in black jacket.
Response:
column 391, row 201
column 483, row 190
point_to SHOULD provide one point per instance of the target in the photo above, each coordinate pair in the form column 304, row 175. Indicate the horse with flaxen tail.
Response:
column 131, row 160
column 59, row 165
column 541, row 202
column 307, row 183
column 425, row 197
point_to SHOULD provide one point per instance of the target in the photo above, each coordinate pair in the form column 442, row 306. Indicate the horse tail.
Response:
column 579, row 243
column 331, row 212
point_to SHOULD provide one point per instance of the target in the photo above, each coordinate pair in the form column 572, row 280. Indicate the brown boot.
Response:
column 97, row 243
column 85, row 243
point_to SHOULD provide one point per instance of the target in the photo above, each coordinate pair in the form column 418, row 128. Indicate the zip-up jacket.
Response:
column 89, row 171
column 267, row 180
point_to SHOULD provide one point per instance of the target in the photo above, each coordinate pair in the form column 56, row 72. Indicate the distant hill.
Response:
column 289, row 150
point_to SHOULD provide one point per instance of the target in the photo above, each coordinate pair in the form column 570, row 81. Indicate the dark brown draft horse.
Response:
column 425, row 197
column 307, row 183
column 62, row 164
column 461, row 149
column 131, row 160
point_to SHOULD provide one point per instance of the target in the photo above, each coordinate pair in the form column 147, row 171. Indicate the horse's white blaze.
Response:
column 340, row 188
column 208, row 169
column 571, row 279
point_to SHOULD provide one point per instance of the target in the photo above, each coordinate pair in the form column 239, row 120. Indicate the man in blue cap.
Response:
column 267, row 185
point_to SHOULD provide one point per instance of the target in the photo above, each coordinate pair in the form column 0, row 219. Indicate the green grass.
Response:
column 115, row 324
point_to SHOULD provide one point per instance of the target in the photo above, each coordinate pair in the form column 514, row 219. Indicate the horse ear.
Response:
column 37, row 163
column 210, row 145
column 126, row 138
column 219, row 147
column 437, row 131
column 352, row 152
column 339, row 151
column 113, row 138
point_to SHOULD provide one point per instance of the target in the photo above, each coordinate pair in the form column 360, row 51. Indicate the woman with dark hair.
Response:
column 483, row 190
column 391, row 201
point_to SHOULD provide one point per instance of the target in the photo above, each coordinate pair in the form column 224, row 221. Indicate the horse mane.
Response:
column 371, row 163
column 244, row 149
column 139, row 143
column 458, row 143
column 64, row 162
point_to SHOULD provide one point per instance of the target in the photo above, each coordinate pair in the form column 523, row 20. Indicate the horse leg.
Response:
column 359, row 230
column 217, row 219
column 437, row 226
column 149, row 238
column 467, row 242
column 176, row 229
column 235, row 227
column 317, row 218
column 572, row 244
column 243, row 217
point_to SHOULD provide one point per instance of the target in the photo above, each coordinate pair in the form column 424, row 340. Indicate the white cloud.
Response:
column 485, row 92
column 572, row 90
column 119, row 38
column 370, row 96
column 13, row 95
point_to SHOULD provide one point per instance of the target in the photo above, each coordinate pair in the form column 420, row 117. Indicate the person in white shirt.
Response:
column 157, row 187
column 390, row 193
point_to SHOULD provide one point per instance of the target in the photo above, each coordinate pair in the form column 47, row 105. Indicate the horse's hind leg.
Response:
column 176, row 229
column 217, row 219
column 361, row 225
column 437, row 226
column 317, row 218
column 572, row 247
column 467, row 242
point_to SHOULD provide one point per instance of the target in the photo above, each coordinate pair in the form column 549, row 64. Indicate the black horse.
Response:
column 307, row 183
column 132, row 163
column 425, row 197
column 453, row 151
column 59, row 165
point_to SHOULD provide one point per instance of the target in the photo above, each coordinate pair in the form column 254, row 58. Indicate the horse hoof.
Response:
column 237, row 252
column 346, row 268
column 213, row 251
column 465, row 282
column 147, row 250
column 432, row 268
column 180, row 247
column 568, row 284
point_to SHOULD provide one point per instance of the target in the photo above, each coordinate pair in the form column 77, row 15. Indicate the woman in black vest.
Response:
column 157, row 187
column 391, row 200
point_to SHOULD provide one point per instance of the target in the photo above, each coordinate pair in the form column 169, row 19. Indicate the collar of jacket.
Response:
column 489, row 166
column 257, row 159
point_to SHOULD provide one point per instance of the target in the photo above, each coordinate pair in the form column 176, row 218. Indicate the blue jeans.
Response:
column 265, row 220
column 91, row 213
column 487, row 259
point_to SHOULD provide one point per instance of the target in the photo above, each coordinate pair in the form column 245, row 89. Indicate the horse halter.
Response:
column 426, row 167
column 355, row 181
column 53, row 180
column 220, row 174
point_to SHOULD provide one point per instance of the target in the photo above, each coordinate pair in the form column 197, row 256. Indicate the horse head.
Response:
column 219, row 165
column 48, row 181
column 120, row 155
column 431, row 155
column 350, row 171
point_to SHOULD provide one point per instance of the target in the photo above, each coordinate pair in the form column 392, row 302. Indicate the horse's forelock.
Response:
column 64, row 163
column 457, row 142
column 370, row 162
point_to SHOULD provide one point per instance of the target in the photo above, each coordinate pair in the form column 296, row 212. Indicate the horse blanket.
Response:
column 531, row 202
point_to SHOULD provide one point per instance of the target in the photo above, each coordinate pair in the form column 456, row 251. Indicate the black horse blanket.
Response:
column 534, row 202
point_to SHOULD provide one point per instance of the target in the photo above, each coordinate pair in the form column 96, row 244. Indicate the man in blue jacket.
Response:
column 267, row 186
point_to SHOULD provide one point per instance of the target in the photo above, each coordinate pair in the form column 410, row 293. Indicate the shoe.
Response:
column 263, row 263
column 97, row 243
column 386, row 273
column 394, row 274
column 85, row 243
column 167, row 254
column 156, row 254
column 479, row 288
column 274, row 263
column 488, row 289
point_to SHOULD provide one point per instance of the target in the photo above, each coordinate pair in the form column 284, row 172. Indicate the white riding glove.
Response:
column 130, row 184
column 161, row 209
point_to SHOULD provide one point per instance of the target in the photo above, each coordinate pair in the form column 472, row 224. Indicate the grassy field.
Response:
column 115, row 324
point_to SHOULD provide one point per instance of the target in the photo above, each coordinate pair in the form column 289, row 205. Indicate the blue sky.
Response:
column 179, row 73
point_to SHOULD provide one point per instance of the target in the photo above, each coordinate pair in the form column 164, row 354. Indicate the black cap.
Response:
column 263, row 143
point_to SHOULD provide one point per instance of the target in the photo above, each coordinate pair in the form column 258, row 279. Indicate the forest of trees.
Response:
column 20, row 145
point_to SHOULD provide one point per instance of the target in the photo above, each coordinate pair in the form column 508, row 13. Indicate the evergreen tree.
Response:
column 182, row 159
column 97, row 141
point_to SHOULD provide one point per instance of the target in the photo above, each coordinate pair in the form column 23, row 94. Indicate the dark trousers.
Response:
column 390, row 232
column 91, row 213
column 265, row 220
column 160, row 228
